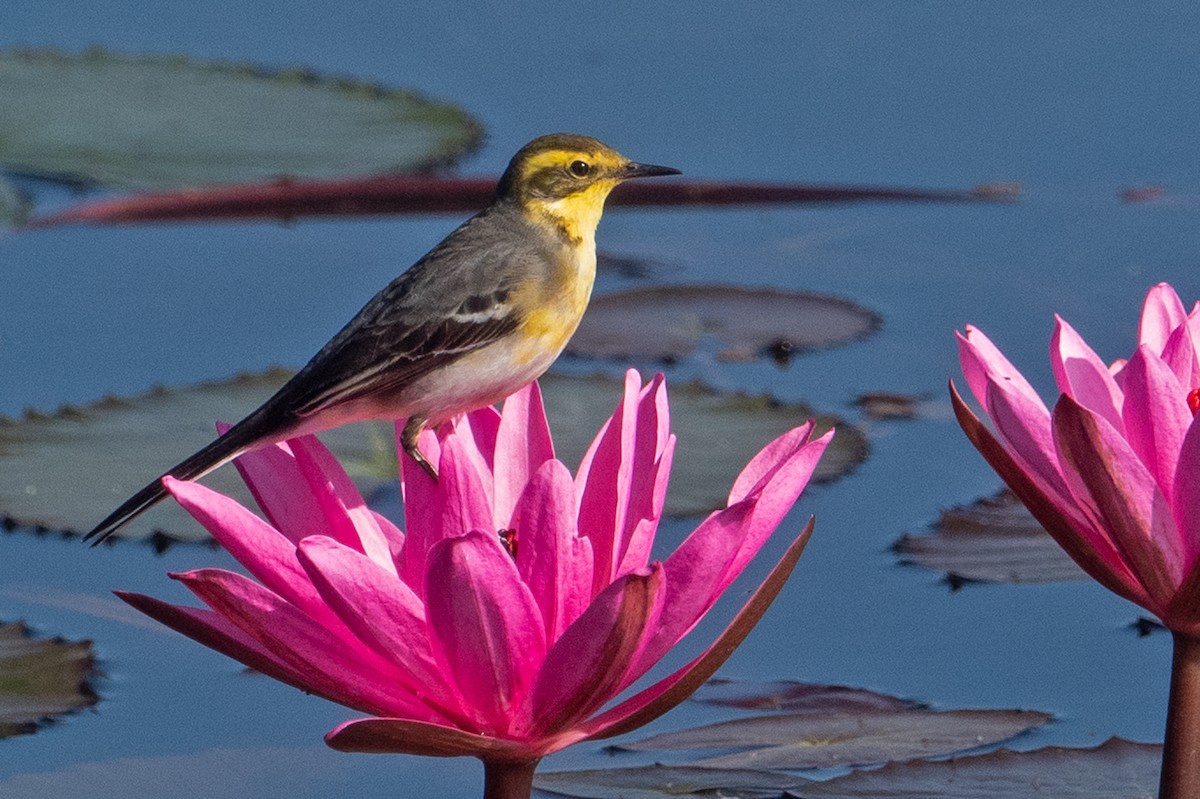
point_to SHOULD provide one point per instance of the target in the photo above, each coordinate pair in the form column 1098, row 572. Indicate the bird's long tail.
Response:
column 235, row 441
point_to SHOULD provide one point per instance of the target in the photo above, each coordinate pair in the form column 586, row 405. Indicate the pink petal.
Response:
column 692, row 573
column 480, row 427
column 1162, row 312
column 341, row 669
column 1083, row 541
column 1025, row 429
column 718, row 550
column 551, row 558
column 1082, row 375
column 651, row 474
column 214, row 631
column 465, row 484
column 1099, row 464
column 649, row 704
column 588, row 665
column 422, row 509
column 522, row 445
column 768, row 461
column 982, row 363
column 346, row 517
column 280, row 489
column 262, row 549
column 487, row 631
column 1186, row 498
column 402, row 736
column 381, row 611
column 1180, row 354
column 653, row 452
column 603, row 483
column 1156, row 415
column 773, row 501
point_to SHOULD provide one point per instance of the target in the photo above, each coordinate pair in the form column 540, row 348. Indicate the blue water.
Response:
column 1076, row 101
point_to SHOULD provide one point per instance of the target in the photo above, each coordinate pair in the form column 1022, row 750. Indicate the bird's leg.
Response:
column 408, row 440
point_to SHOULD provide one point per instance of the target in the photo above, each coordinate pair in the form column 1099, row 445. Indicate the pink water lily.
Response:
column 1113, row 473
column 520, row 599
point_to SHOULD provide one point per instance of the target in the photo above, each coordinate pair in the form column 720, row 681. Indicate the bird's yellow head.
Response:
column 563, row 179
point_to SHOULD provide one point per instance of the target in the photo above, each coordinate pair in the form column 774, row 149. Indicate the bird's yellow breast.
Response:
column 556, row 305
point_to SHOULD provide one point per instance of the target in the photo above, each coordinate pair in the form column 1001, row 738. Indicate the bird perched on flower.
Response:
column 482, row 314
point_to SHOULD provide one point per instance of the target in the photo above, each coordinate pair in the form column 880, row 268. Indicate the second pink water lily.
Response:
column 1113, row 472
column 517, row 603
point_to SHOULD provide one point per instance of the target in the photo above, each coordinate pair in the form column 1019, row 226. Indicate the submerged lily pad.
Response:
column 667, row 323
column 799, row 697
column 889, row 406
column 64, row 471
column 170, row 121
column 994, row 539
column 658, row 781
column 1117, row 769
column 807, row 740
column 40, row 679
column 14, row 204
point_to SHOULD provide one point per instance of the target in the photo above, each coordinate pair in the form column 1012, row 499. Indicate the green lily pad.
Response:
column 995, row 540
column 668, row 323
column 849, row 738
column 170, row 121
column 65, row 470
column 1117, row 769
column 40, row 679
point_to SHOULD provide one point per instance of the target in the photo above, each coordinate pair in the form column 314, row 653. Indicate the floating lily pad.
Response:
column 668, row 323
column 14, row 204
column 658, row 781
column 163, row 121
column 994, row 539
column 887, row 405
column 1117, row 769
column 65, row 470
column 40, row 678
column 808, row 740
column 799, row 697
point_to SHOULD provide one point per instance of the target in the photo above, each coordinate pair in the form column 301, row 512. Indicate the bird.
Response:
column 479, row 316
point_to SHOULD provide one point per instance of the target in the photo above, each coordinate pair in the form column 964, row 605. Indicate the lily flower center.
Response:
column 1193, row 400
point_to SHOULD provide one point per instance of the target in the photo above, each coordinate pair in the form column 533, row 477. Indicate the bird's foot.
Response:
column 408, row 440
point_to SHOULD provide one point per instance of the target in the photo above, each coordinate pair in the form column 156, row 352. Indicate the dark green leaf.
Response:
column 40, row 678
column 170, row 121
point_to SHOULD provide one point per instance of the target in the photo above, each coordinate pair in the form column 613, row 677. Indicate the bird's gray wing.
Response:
column 455, row 300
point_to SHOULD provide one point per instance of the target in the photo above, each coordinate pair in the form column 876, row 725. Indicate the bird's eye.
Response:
column 580, row 169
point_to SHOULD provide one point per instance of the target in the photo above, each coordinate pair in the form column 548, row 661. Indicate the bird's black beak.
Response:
column 636, row 170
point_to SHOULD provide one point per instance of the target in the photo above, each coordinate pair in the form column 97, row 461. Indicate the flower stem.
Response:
column 506, row 780
column 1181, row 750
